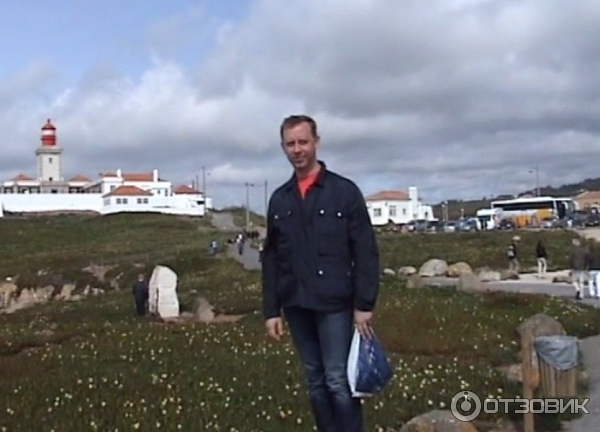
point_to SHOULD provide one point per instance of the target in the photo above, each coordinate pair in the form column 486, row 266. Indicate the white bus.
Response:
column 532, row 211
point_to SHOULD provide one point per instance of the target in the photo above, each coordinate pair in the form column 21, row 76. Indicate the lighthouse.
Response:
column 49, row 164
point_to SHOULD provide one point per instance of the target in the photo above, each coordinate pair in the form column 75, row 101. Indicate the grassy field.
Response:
column 92, row 365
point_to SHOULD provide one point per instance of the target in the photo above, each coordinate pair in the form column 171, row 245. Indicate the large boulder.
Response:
column 562, row 279
column 389, row 272
column 407, row 271
column 437, row 421
column 415, row 281
column 470, row 283
column 488, row 275
column 459, row 268
column 433, row 267
column 541, row 325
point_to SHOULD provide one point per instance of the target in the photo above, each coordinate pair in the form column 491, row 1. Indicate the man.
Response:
column 578, row 267
column 593, row 266
column 513, row 256
column 321, row 272
column 140, row 295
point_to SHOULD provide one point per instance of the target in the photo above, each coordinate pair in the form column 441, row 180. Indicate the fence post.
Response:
column 527, row 354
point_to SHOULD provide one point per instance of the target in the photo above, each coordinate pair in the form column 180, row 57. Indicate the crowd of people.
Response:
column 584, row 265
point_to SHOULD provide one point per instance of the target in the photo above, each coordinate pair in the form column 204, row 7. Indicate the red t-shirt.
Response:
column 305, row 183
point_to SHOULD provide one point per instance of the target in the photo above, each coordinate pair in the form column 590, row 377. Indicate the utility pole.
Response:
column 266, row 201
column 537, row 179
column 248, row 205
column 204, row 182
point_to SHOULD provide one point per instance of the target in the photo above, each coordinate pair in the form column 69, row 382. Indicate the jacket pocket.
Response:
column 332, row 231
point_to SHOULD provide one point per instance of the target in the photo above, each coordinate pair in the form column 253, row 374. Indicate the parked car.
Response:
column 550, row 222
column 468, row 225
column 450, row 226
column 506, row 224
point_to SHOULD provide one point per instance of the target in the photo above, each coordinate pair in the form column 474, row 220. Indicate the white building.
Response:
column 112, row 192
column 397, row 207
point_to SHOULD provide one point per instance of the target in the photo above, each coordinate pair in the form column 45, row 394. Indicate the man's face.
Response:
column 300, row 146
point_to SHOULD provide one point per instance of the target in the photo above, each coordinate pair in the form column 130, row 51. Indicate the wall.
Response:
column 51, row 202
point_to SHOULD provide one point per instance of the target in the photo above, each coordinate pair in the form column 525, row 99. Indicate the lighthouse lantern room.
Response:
column 49, row 164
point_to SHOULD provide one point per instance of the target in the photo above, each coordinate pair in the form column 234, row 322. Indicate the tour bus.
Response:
column 532, row 211
column 488, row 218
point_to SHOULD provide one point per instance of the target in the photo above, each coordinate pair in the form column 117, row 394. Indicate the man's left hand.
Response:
column 362, row 321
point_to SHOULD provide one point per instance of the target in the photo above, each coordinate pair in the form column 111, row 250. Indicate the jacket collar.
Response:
column 319, row 181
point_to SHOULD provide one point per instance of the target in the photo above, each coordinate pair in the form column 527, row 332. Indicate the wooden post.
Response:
column 527, row 352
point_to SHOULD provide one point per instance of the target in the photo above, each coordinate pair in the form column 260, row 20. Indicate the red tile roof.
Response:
column 128, row 191
column 80, row 178
column 185, row 189
column 141, row 177
column 388, row 195
column 22, row 177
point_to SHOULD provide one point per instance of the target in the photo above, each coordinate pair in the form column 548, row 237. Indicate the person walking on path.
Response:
column 542, row 259
column 140, row 295
column 320, row 272
column 513, row 255
column 593, row 265
column 578, row 267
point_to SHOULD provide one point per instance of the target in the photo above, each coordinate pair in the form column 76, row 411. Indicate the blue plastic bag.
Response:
column 368, row 368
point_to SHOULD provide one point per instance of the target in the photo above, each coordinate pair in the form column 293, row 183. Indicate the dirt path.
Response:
column 224, row 222
column 249, row 259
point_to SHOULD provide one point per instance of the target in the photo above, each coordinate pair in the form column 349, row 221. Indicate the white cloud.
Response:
column 460, row 98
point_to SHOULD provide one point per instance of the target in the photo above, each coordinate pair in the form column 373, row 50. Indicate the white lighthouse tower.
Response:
column 49, row 163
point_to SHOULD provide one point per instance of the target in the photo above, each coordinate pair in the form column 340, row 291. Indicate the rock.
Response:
column 509, row 275
column 541, row 325
column 562, row 279
column 99, row 271
column 389, row 272
column 406, row 271
column 65, row 292
column 415, row 282
column 437, row 421
column 459, row 268
column 7, row 290
column 488, row 275
column 163, row 298
column 433, row 267
column 470, row 283
column 203, row 310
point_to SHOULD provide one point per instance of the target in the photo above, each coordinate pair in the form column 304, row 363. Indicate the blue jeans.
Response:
column 323, row 340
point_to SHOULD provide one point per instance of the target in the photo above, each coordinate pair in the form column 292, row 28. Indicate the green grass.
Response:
column 477, row 249
column 92, row 365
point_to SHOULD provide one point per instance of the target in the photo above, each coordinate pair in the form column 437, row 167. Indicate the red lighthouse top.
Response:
column 48, row 134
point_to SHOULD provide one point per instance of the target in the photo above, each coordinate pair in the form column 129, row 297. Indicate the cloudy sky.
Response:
column 461, row 98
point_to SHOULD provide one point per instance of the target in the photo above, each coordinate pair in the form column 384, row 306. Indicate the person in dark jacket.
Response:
column 542, row 259
column 321, row 272
column 593, row 266
column 140, row 295
column 578, row 267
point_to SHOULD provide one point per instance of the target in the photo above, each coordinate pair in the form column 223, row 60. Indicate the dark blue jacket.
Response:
column 140, row 291
column 320, row 252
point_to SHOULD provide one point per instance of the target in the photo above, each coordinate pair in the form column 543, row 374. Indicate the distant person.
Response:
column 213, row 247
column 512, row 254
column 578, row 267
column 542, row 259
column 593, row 266
column 140, row 295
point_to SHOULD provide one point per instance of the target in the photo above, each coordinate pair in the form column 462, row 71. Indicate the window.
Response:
column 124, row 200
column 50, row 179
column 49, row 160
column 393, row 210
column 118, row 200
column 145, row 200
column 403, row 212
column 377, row 212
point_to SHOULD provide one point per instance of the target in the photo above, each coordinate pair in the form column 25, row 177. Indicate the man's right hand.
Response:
column 275, row 328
